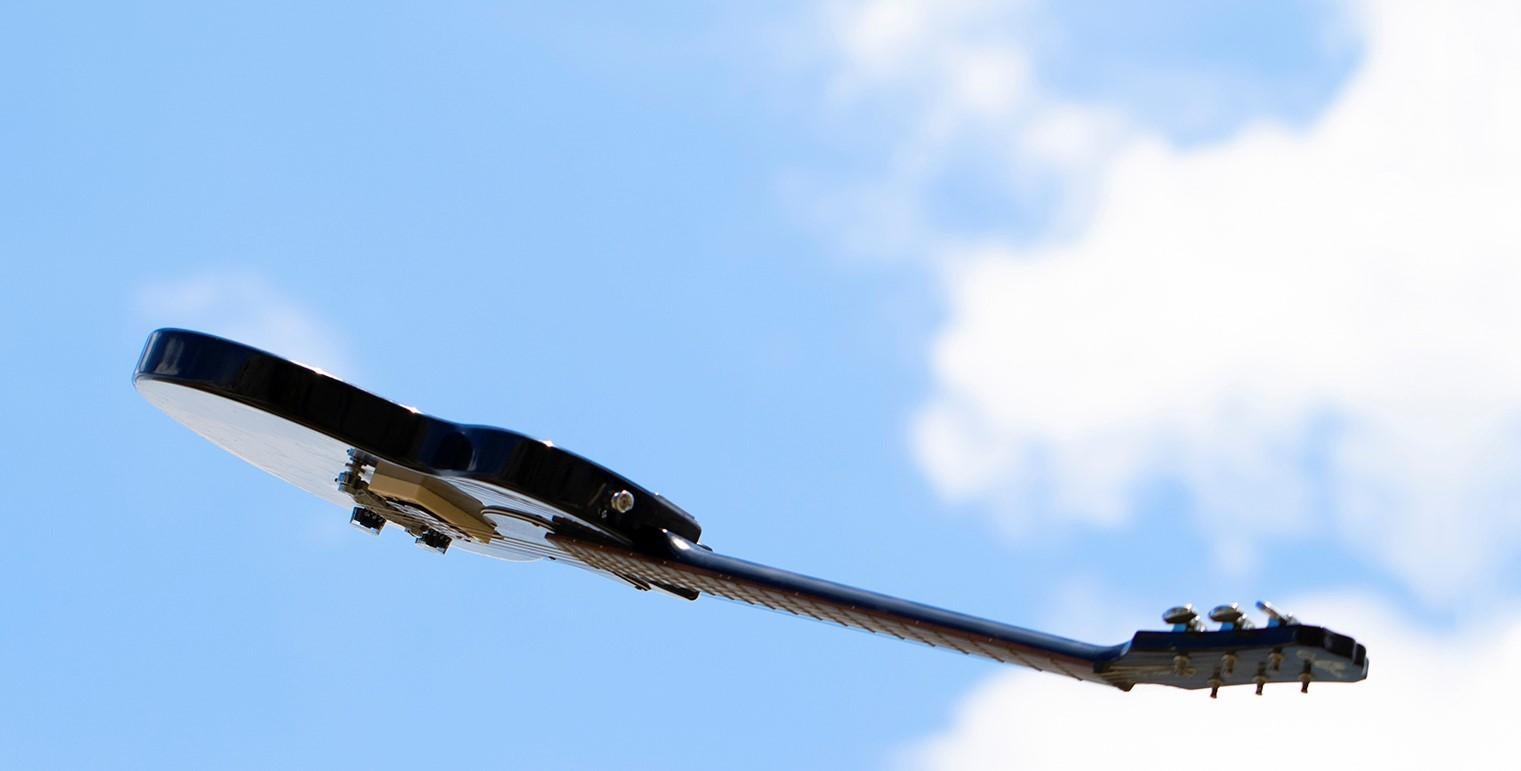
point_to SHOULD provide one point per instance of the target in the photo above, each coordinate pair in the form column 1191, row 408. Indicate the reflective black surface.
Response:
column 356, row 418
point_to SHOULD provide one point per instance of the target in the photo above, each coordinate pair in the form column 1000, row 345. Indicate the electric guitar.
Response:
column 505, row 495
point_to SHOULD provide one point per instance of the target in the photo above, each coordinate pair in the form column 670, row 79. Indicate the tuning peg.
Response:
column 1228, row 663
column 1230, row 617
column 1182, row 665
column 1183, row 619
column 1276, row 617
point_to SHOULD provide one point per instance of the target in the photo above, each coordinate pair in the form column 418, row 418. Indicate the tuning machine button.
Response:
column 1230, row 617
column 1276, row 617
column 1183, row 619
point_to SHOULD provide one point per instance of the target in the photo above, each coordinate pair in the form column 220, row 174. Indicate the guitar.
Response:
column 505, row 495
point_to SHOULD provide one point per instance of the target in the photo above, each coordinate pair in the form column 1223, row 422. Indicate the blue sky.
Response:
column 634, row 232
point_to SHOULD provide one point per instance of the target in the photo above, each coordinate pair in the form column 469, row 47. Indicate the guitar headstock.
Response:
column 1237, row 652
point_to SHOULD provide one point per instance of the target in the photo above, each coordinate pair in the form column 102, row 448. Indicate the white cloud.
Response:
column 242, row 306
column 1217, row 307
column 1429, row 702
column 957, row 74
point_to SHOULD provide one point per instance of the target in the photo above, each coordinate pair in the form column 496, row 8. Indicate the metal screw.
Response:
column 622, row 501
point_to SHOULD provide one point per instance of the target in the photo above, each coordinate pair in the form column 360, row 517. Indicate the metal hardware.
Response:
column 1276, row 617
column 621, row 501
column 434, row 541
column 1230, row 617
column 1183, row 619
column 1181, row 665
column 367, row 520
column 352, row 479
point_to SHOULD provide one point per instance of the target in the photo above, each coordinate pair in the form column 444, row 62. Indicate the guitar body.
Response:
column 502, row 494
column 491, row 491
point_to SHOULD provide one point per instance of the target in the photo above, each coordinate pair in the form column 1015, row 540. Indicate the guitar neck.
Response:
column 676, row 563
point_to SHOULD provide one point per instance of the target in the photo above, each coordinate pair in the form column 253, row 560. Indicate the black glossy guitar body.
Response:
column 499, row 493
